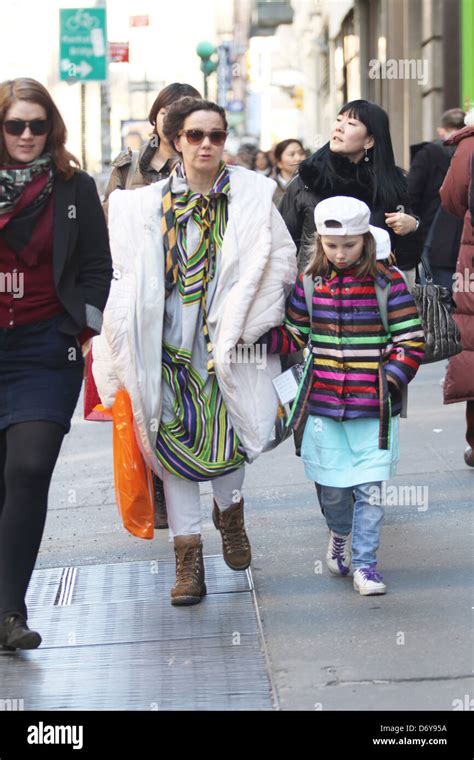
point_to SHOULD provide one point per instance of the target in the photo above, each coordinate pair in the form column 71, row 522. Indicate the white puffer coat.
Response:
column 258, row 269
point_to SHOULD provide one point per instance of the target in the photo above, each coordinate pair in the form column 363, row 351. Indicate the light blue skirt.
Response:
column 344, row 454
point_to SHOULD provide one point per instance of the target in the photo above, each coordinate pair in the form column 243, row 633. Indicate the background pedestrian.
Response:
column 457, row 197
column 288, row 156
column 440, row 231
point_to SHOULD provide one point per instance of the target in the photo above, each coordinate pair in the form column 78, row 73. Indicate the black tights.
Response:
column 28, row 454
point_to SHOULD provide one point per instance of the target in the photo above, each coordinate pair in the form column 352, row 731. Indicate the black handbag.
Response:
column 434, row 304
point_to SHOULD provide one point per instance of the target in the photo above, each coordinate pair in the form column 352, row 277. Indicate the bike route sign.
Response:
column 83, row 45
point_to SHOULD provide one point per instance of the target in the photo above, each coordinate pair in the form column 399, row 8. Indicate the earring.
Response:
column 366, row 159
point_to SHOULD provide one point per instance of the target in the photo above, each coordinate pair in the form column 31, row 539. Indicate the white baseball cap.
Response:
column 383, row 244
column 351, row 215
column 353, row 218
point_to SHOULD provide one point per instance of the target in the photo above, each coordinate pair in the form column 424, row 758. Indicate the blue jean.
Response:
column 357, row 508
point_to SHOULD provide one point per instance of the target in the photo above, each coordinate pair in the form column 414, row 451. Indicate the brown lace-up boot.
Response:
column 235, row 543
column 189, row 587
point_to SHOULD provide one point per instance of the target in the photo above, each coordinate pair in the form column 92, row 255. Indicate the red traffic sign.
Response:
column 118, row 52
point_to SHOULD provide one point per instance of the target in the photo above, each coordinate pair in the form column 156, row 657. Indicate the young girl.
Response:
column 351, row 443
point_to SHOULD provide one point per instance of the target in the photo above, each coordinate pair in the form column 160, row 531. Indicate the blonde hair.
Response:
column 320, row 266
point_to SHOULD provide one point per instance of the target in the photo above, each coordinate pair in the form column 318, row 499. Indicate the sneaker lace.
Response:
column 338, row 546
column 370, row 573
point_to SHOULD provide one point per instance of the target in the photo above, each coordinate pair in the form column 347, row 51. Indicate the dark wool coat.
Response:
column 307, row 190
column 82, row 263
column 430, row 163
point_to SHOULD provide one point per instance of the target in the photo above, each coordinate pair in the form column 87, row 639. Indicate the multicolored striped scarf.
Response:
column 209, row 212
column 177, row 210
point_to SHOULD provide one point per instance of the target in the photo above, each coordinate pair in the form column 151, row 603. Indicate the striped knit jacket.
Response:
column 350, row 345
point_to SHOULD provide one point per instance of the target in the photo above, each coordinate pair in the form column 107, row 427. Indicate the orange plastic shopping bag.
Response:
column 133, row 482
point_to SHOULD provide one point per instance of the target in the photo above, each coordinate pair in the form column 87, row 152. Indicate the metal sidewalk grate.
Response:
column 185, row 675
column 94, row 584
column 111, row 640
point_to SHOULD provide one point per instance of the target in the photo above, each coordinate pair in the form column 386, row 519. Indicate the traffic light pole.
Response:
column 82, row 91
column 205, row 51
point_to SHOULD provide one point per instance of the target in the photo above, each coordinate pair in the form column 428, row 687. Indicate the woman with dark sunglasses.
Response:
column 134, row 169
column 205, row 263
column 155, row 160
column 55, row 270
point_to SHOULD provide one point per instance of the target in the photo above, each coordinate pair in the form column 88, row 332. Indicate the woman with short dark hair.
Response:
column 288, row 156
column 133, row 169
column 156, row 159
column 54, row 245
column 203, row 267
column 262, row 163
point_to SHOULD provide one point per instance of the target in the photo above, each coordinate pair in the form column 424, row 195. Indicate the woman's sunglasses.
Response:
column 17, row 126
column 196, row 136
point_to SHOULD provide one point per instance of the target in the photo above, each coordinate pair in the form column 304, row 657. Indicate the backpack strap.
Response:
column 132, row 169
column 382, row 299
column 308, row 285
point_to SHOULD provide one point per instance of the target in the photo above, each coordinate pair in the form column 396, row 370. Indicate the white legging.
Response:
column 183, row 503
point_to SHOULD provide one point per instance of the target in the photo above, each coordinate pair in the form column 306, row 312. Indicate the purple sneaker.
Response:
column 368, row 581
column 338, row 555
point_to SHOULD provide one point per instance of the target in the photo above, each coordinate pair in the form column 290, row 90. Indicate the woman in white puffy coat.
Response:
column 203, row 262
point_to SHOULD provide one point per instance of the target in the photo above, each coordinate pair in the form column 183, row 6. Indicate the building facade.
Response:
column 402, row 54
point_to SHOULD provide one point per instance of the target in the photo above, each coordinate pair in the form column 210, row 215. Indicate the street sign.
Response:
column 83, row 45
column 224, row 73
column 119, row 52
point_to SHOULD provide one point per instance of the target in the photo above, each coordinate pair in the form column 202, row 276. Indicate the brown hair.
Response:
column 168, row 95
column 453, row 119
column 319, row 264
column 282, row 146
column 181, row 109
column 31, row 90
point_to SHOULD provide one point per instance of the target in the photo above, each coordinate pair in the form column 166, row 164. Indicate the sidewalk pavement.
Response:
column 323, row 646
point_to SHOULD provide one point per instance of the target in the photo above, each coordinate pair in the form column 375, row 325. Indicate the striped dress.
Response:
column 349, row 342
column 196, row 440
